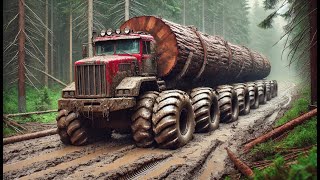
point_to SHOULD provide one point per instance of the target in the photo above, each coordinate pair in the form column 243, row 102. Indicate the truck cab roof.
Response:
column 124, row 36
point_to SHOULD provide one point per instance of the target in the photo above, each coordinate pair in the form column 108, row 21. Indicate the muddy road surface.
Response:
column 118, row 158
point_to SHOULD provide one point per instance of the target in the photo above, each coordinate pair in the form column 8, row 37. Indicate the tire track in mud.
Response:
column 65, row 168
column 51, row 159
column 234, row 135
column 26, row 149
column 202, row 158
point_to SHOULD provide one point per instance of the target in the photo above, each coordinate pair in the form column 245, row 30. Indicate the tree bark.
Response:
column 24, row 137
column 279, row 130
column 126, row 10
column 51, row 40
column 29, row 113
column 241, row 166
column 211, row 56
column 46, row 43
column 90, row 27
column 21, row 58
column 70, row 47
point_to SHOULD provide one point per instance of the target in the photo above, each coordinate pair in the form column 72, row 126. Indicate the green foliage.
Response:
column 7, row 131
column 45, row 99
column 301, row 136
column 267, row 22
column 306, row 168
column 270, row 4
column 276, row 171
column 44, row 102
column 299, row 107
column 263, row 150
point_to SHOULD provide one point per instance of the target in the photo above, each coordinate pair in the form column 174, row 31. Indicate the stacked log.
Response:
column 187, row 54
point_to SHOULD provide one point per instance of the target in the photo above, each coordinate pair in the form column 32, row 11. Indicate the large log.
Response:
column 281, row 129
column 25, row 137
column 187, row 54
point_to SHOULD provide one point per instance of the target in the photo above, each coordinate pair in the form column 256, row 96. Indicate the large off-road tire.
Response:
column 173, row 119
column 71, row 129
column 262, row 92
column 206, row 109
column 141, row 119
column 228, row 104
column 268, row 89
column 275, row 88
column 253, row 95
column 271, row 89
column 243, row 98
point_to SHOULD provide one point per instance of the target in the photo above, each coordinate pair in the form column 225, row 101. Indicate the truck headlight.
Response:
column 68, row 94
column 109, row 31
column 103, row 33
column 126, row 30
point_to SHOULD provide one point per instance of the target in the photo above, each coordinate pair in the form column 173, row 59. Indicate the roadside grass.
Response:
column 305, row 168
column 301, row 136
column 44, row 99
column 299, row 106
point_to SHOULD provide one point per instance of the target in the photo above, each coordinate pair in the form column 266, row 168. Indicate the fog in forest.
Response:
column 55, row 30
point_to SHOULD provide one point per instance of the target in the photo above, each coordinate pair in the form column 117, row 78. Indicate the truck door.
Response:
column 148, row 58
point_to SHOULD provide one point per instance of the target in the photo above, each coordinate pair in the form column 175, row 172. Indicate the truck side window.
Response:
column 146, row 47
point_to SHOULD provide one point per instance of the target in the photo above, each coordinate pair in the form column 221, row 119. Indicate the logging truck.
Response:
column 162, row 82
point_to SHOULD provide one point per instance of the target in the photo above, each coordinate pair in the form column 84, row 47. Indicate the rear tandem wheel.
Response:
column 206, row 109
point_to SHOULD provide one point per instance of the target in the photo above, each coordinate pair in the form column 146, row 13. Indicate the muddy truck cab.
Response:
column 106, row 86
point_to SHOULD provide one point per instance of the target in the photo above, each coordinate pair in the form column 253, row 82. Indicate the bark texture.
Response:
column 187, row 54
column 24, row 137
column 21, row 58
column 279, row 130
column 241, row 166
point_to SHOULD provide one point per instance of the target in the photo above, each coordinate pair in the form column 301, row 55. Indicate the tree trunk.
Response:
column 211, row 55
column 313, row 51
column 70, row 48
column 51, row 40
column 126, row 10
column 21, row 58
column 25, row 137
column 46, row 49
column 279, row 130
column 90, row 27
column 241, row 166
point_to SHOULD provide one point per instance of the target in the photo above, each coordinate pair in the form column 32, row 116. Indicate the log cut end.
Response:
column 166, row 48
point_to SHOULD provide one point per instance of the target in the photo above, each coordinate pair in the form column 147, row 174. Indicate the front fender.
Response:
column 131, row 86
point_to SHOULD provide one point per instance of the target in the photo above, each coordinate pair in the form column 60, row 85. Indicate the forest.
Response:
column 55, row 31
column 42, row 39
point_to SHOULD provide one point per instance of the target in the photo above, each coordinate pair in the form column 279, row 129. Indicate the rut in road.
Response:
column 203, row 157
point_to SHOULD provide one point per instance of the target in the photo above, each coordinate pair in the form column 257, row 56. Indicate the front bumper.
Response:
column 103, row 105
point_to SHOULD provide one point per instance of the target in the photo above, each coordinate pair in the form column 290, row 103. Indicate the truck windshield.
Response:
column 123, row 46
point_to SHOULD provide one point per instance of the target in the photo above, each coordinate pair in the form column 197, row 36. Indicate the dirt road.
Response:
column 118, row 158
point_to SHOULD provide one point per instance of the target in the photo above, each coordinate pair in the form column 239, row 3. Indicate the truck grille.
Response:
column 91, row 80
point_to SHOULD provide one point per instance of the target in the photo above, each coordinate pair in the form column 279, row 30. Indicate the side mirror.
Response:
column 84, row 51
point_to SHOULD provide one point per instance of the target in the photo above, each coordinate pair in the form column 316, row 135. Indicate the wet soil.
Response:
column 204, row 157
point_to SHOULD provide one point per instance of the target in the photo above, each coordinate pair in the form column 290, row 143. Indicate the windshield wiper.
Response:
column 125, row 52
